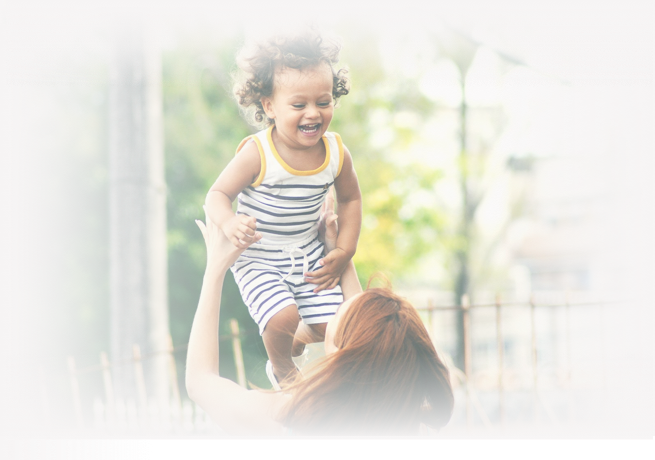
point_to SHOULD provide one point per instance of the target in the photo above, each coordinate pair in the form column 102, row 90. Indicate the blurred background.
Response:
column 504, row 153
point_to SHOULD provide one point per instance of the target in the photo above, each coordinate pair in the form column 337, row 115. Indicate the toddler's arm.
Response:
column 237, row 175
column 349, row 210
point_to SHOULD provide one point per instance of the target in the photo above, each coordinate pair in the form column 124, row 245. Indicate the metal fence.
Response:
column 146, row 414
column 554, row 403
column 183, row 417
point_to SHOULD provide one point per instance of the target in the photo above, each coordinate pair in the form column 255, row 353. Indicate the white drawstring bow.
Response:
column 305, row 264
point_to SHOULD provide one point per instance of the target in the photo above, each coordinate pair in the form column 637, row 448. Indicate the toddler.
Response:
column 280, row 178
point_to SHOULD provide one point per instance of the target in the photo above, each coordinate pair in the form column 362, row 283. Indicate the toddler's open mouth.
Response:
column 310, row 129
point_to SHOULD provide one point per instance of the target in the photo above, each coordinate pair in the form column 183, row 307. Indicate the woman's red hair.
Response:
column 385, row 378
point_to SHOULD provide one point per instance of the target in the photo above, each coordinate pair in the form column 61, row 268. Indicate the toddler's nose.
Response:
column 312, row 112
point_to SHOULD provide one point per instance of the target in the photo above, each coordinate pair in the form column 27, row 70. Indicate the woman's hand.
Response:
column 335, row 260
column 327, row 228
column 221, row 253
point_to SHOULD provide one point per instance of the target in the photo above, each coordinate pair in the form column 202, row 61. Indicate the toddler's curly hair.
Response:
column 258, row 62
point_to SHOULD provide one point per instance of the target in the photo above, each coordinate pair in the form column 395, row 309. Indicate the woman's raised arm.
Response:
column 328, row 232
column 233, row 408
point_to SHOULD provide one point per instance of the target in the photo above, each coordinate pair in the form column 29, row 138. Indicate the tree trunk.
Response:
column 138, row 259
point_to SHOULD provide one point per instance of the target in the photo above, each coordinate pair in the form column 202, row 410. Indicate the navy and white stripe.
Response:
column 260, row 280
column 287, row 205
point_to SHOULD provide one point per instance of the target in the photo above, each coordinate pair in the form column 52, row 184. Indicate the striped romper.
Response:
column 287, row 205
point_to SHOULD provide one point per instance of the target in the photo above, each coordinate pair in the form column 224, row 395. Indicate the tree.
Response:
column 401, row 225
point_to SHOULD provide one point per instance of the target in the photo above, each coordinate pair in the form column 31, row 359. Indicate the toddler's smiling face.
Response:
column 302, row 105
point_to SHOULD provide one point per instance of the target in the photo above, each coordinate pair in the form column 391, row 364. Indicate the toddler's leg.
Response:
column 278, row 339
column 307, row 333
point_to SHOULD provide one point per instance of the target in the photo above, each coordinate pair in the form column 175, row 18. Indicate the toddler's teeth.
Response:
column 309, row 128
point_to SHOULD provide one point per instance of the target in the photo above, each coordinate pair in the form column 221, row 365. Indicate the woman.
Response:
column 381, row 374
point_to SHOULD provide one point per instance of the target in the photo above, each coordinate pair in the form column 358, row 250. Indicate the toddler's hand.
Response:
column 329, row 275
column 240, row 230
column 221, row 253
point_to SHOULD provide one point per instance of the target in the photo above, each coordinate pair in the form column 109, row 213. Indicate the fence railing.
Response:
column 110, row 413
column 465, row 376
column 186, row 417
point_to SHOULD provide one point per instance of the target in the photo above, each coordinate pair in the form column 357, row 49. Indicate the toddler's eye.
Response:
column 324, row 104
column 298, row 106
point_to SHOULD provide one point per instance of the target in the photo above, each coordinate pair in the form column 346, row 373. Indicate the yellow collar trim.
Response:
column 289, row 168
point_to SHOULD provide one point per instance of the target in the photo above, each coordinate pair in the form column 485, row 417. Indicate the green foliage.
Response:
column 401, row 220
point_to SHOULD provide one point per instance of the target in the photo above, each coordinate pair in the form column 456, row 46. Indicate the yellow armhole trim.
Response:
column 262, row 170
column 295, row 172
column 340, row 144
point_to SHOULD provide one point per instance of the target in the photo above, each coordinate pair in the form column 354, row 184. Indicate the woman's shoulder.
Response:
column 256, row 414
column 271, row 404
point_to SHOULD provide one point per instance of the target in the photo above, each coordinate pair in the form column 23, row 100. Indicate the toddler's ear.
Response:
column 267, row 104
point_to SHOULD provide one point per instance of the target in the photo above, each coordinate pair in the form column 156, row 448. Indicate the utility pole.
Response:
column 463, row 252
column 462, row 51
column 138, row 257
